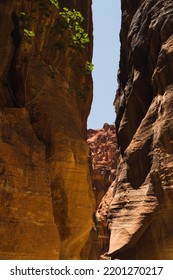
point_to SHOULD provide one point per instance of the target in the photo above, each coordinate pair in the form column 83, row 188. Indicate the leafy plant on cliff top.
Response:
column 73, row 20
column 69, row 23
column 70, row 19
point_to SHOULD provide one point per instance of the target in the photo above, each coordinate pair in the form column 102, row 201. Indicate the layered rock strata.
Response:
column 139, row 213
column 46, row 192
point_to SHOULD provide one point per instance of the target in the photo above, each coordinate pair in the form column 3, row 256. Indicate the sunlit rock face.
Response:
column 139, row 214
column 103, row 163
column 103, row 157
column 46, row 193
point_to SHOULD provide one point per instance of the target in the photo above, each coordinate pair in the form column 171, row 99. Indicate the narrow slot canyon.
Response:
column 77, row 184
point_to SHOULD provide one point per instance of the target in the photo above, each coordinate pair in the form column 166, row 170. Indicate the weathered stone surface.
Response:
column 27, row 227
column 103, row 157
column 139, row 214
column 103, row 160
column 45, row 98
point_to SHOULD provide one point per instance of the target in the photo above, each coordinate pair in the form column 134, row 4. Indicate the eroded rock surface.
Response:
column 103, row 157
column 45, row 97
column 103, row 161
column 139, row 214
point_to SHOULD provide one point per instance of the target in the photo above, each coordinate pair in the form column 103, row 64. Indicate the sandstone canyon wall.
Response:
column 45, row 187
column 103, row 159
column 46, row 195
column 140, row 200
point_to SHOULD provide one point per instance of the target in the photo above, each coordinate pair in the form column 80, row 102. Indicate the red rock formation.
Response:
column 103, row 157
column 104, row 160
column 46, row 193
column 140, row 208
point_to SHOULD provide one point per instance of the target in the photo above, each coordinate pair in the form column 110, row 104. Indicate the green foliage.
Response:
column 70, row 20
column 55, row 3
column 68, row 26
column 73, row 20
column 88, row 68
column 26, row 18
column 29, row 33
column 22, row 14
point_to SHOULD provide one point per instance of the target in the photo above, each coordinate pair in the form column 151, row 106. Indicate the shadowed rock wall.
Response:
column 139, row 216
column 45, row 191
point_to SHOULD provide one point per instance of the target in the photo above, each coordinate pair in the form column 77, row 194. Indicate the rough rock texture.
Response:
column 45, row 191
column 140, row 200
column 103, row 160
column 27, row 227
column 103, row 157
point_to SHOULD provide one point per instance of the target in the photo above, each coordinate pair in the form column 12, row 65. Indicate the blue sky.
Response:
column 106, row 17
